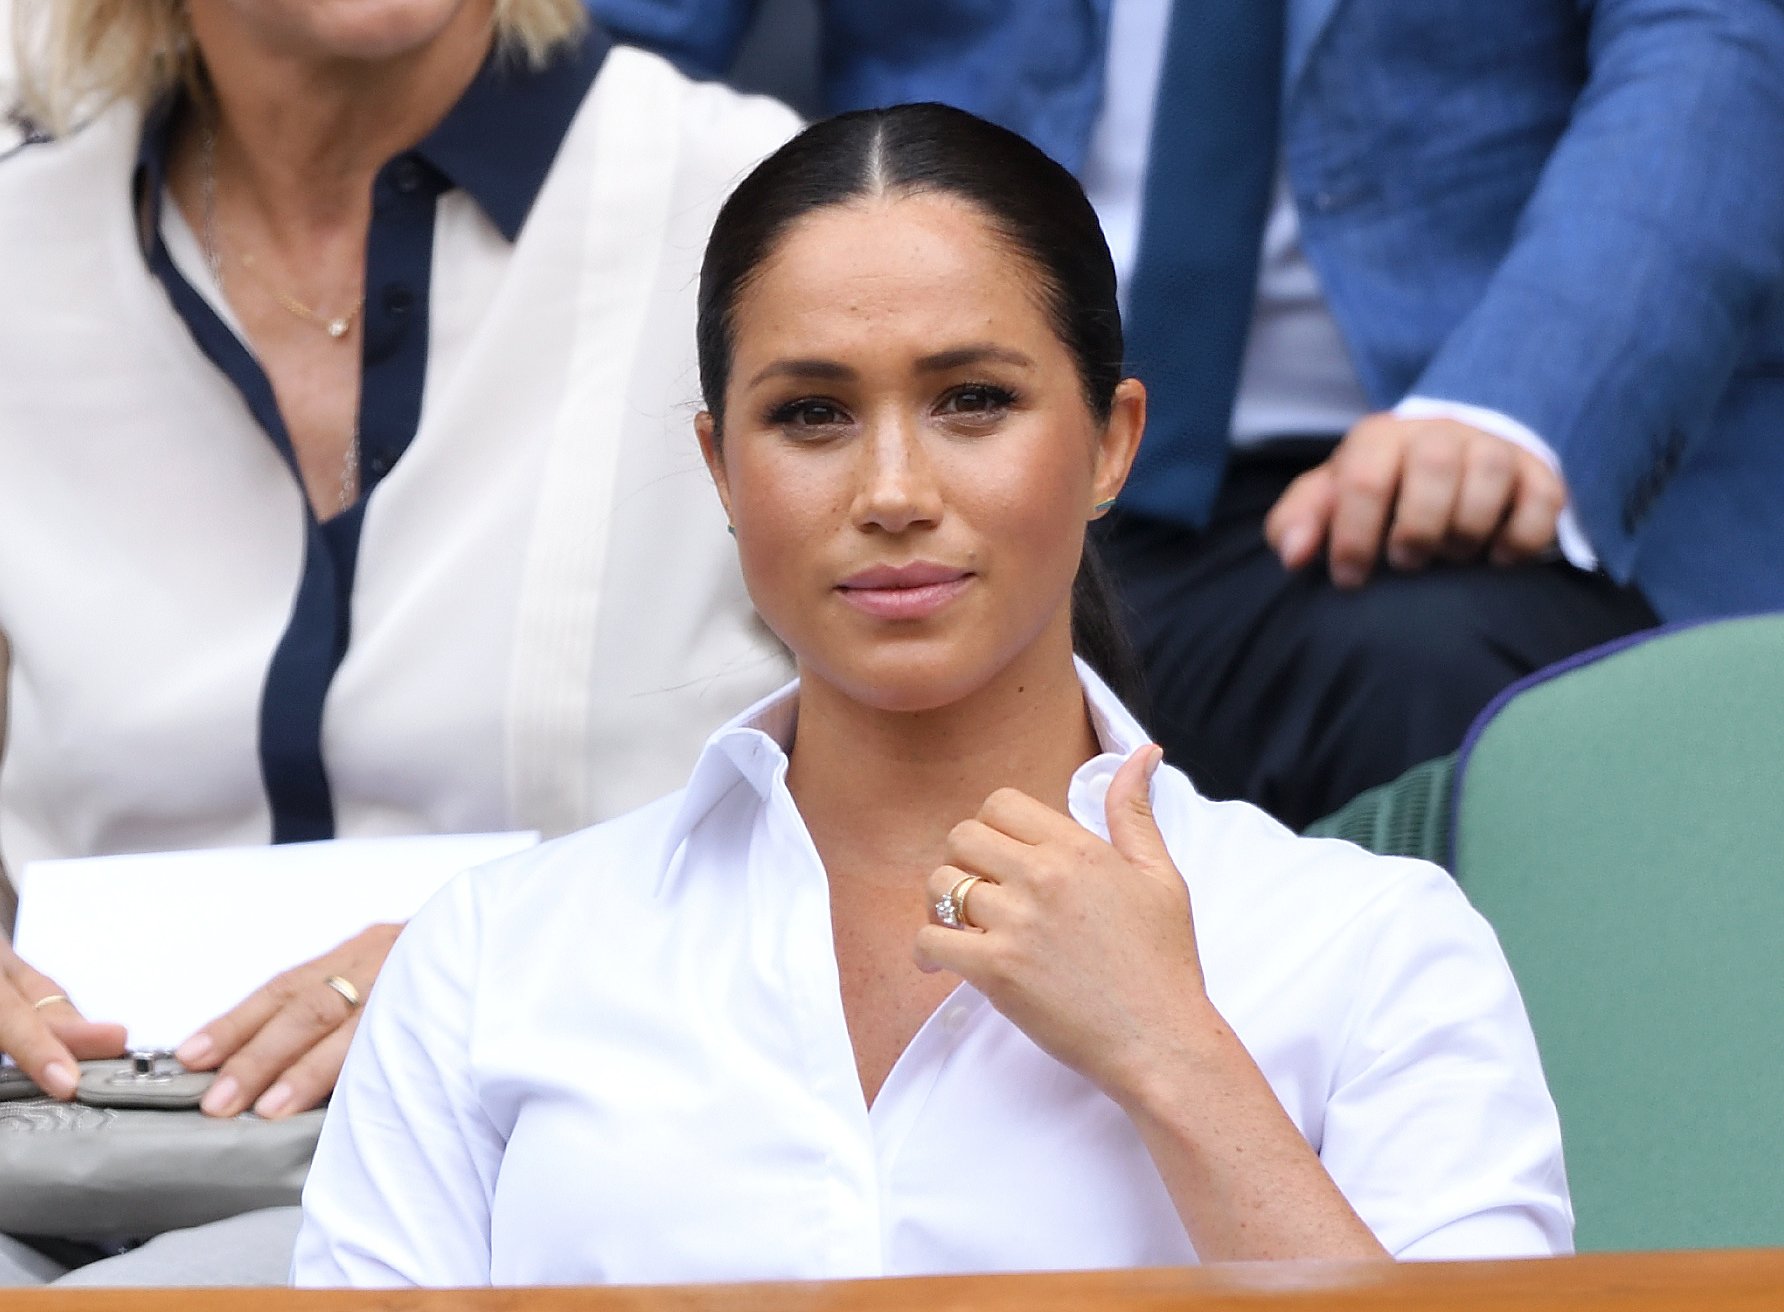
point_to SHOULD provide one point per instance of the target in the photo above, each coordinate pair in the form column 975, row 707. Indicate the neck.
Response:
column 300, row 136
column 893, row 783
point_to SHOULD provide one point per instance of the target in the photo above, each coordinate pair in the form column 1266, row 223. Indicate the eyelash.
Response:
column 788, row 414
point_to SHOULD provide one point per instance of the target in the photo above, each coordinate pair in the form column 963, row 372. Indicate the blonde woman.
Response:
column 338, row 495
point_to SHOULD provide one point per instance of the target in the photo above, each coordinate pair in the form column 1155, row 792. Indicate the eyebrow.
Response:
column 940, row 362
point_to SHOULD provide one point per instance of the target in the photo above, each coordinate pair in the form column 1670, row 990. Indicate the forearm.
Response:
column 1246, row 1185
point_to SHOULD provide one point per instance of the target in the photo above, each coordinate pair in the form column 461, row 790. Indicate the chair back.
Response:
column 1620, row 821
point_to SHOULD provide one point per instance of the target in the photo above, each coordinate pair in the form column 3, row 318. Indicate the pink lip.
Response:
column 904, row 592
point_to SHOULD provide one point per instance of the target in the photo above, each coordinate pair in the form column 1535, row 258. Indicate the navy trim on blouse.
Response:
column 497, row 144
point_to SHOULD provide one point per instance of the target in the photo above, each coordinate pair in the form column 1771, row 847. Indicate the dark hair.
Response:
column 1034, row 204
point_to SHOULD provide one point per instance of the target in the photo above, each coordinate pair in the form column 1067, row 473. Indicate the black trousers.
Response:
column 1283, row 690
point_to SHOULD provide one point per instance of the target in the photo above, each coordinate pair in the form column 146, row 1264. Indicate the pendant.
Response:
column 338, row 327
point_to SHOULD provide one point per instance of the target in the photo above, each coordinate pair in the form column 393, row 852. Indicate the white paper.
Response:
column 166, row 941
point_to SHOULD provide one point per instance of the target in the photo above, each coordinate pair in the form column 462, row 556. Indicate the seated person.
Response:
column 338, row 491
column 931, row 967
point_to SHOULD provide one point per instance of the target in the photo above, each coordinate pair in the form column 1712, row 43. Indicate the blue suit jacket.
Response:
column 1569, row 211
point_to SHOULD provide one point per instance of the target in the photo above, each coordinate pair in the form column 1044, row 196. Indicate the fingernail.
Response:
column 1296, row 543
column 273, row 1101
column 220, row 1096
column 1158, row 757
column 194, row 1050
column 1402, row 559
column 1346, row 576
column 60, row 1080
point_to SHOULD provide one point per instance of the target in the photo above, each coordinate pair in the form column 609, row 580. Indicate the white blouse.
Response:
column 621, row 1057
column 547, row 617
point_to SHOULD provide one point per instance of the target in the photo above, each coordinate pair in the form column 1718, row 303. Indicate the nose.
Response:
column 896, row 486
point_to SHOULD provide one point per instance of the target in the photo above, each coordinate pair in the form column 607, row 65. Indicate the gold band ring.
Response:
column 957, row 898
column 50, row 1001
column 344, row 986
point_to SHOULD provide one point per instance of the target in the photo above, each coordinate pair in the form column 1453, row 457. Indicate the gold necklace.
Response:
column 348, row 491
column 336, row 326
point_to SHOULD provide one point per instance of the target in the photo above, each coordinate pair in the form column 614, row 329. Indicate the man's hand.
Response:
column 1414, row 491
column 281, row 1050
column 41, row 1030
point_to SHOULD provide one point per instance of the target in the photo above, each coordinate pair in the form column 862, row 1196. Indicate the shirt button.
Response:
column 954, row 1019
column 378, row 464
column 1324, row 202
column 398, row 299
column 406, row 176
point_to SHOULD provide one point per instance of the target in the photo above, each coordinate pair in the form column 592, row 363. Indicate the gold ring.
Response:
column 957, row 898
column 340, row 984
column 50, row 1001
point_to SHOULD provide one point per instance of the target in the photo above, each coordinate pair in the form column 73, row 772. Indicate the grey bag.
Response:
column 133, row 1156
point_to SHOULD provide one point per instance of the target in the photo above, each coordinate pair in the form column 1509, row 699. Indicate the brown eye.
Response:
column 807, row 412
column 977, row 400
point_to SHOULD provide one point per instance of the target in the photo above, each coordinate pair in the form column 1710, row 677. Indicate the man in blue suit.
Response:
column 1514, row 262
column 1428, row 294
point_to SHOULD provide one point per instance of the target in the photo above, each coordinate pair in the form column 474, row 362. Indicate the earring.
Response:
column 731, row 529
column 1101, row 506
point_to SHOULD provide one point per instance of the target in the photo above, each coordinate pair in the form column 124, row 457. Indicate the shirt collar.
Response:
column 752, row 749
column 497, row 143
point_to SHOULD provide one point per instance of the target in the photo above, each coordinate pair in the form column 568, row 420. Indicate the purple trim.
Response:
column 1591, row 656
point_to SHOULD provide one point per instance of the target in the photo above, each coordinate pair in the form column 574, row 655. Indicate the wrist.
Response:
column 1180, row 1066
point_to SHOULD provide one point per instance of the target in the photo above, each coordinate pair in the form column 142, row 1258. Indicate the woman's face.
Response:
column 908, row 458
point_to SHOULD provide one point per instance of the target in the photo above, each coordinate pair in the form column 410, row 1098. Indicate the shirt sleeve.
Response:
column 399, row 1192
column 1440, row 1129
column 1644, row 259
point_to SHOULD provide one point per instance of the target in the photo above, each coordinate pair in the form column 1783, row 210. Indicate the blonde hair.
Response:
column 75, row 57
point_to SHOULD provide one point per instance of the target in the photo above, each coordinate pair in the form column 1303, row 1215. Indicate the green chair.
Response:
column 1620, row 821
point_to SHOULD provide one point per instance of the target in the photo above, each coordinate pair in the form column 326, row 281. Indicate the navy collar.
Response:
column 497, row 143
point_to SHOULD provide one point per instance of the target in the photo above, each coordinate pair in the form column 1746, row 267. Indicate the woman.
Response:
column 930, row 968
column 345, row 346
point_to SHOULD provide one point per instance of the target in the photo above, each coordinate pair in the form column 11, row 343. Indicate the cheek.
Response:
column 784, row 511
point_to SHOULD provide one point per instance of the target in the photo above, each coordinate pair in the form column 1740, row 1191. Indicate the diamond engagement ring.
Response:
column 950, row 909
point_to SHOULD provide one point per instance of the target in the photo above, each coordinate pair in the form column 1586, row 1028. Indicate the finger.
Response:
column 309, row 1014
column 1530, row 528
column 939, row 948
column 1127, row 808
column 1488, row 484
column 89, row 1040
column 1368, row 475
column 979, row 849
column 1430, row 481
column 1013, row 812
column 69, row 1034
column 211, row 1046
column 979, row 899
column 29, row 1041
column 311, row 1078
column 1297, row 524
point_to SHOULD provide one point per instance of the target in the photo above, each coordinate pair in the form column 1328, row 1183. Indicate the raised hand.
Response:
column 281, row 1050
column 44, row 1032
column 1087, row 946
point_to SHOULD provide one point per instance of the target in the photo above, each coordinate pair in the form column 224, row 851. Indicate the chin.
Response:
column 374, row 30
column 908, row 678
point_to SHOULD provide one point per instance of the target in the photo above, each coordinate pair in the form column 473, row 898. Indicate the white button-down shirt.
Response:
column 621, row 1057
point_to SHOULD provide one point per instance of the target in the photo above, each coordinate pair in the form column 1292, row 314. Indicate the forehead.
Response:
column 891, row 270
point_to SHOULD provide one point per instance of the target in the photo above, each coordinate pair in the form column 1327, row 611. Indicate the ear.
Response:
column 706, row 428
column 1119, row 442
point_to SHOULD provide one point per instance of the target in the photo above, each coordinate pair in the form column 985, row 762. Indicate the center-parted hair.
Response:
column 1032, row 204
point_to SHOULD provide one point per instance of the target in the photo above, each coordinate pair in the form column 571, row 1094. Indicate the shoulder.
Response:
column 618, row 860
column 1261, row 892
column 88, row 166
column 723, row 127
